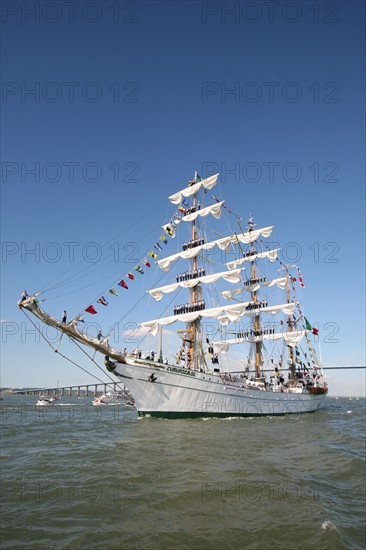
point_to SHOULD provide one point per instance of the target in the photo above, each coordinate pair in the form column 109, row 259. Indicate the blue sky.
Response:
column 127, row 104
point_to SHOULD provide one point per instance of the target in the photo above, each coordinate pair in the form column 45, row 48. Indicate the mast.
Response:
column 256, row 320
column 290, row 327
column 193, row 291
column 160, row 345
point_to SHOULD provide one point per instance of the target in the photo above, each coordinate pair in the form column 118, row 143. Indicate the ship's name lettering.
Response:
column 181, row 371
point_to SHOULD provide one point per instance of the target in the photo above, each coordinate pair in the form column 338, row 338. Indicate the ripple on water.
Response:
column 77, row 478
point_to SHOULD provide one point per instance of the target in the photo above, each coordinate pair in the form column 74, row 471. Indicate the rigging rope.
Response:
column 41, row 291
column 92, row 359
column 67, row 358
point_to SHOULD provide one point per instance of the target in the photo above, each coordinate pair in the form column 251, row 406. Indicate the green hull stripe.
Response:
column 175, row 415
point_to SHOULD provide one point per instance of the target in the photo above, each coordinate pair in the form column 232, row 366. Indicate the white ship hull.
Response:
column 174, row 392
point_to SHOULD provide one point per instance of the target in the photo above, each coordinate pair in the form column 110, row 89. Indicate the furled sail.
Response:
column 207, row 183
column 228, row 294
column 224, row 244
column 229, row 276
column 270, row 254
column 213, row 209
column 287, row 309
column 232, row 313
column 291, row 338
column 251, row 236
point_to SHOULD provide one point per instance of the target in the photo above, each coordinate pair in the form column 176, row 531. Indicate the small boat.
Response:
column 98, row 401
column 113, row 398
column 45, row 402
column 104, row 399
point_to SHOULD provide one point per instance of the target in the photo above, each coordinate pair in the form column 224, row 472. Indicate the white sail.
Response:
column 251, row 236
column 213, row 209
column 287, row 309
column 192, row 316
column 229, row 276
column 280, row 282
column 291, row 339
column 207, row 183
column 270, row 254
column 224, row 244
column 232, row 313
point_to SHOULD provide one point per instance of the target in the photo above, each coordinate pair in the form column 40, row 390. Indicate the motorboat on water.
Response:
column 45, row 402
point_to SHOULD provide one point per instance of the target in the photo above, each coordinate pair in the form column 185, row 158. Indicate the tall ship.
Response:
column 241, row 351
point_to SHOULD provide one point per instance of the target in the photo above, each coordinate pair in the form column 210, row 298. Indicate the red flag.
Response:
column 130, row 276
column 91, row 310
column 315, row 331
column 122, row 283
column 148, row 264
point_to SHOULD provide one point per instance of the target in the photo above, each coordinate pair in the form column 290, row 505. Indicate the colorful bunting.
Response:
column 301, row 282
column 175, row 221
column 169, row 230
column 224, row 206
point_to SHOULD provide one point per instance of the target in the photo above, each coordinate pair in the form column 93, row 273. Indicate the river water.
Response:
column 81, row 477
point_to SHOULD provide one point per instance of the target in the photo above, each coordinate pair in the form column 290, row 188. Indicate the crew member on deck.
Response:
column 64, row 317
